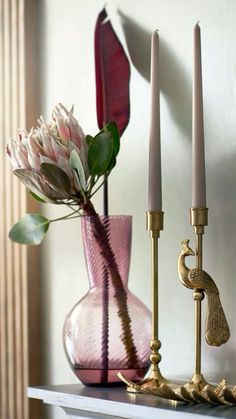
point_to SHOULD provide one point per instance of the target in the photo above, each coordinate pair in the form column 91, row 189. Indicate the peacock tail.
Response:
column 216, row 327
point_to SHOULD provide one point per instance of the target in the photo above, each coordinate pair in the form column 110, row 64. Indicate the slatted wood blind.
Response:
column 18, row 265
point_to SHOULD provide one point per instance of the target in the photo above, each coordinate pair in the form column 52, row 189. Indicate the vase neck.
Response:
column 107, row 241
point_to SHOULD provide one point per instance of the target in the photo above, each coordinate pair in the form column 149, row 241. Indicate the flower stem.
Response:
column 105, row 326
column 101, row 184
column 67, row 217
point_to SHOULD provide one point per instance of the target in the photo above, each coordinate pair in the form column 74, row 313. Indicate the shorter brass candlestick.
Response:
column 155, row 383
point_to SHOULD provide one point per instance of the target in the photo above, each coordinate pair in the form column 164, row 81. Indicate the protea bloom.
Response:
column 60, row 165
column 45, row 159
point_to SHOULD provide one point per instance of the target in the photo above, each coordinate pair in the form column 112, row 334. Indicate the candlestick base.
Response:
column 156, row 384
column 197, row 390
column 191, row 391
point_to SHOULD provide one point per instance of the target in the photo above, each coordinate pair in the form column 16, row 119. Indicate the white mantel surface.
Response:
column 115, row 403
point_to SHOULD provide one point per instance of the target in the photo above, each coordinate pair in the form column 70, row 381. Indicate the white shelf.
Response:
column 115, row 403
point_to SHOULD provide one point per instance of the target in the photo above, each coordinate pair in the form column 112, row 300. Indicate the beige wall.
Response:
column 68, row 76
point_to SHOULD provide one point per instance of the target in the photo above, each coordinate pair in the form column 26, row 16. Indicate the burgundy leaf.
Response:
column 112, row 76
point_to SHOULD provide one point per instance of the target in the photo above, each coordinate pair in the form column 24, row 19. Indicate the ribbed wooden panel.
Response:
column 14, row 337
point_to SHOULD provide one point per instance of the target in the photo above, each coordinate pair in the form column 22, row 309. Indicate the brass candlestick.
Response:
column 155, row 383
column 198, row 219
column 216, row 328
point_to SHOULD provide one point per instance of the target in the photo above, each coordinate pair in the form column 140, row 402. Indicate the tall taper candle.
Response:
column 198, row 169
column 154, row 187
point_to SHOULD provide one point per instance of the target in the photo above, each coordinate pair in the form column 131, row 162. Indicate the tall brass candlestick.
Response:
column 216, row 327
column 191, row 278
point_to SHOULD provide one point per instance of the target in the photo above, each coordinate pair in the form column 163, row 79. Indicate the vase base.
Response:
column 101, row 377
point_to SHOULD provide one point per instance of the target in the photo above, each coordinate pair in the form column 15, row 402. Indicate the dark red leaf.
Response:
column 112, row 76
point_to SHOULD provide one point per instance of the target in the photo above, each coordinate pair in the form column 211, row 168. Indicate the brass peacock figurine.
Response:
column 216, row 327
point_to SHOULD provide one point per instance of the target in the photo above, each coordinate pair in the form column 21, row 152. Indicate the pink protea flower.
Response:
column 60, row 146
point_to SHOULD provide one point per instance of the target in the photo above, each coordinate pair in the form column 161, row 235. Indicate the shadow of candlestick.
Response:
column 175, row 84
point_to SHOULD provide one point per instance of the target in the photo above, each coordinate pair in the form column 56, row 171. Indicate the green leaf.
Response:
column 76, row 164
column 38, row 198
column 56, row 176
column 31, row 229
column 88, row 139
column 112, row 128
column 112, row 163
column 100, row 153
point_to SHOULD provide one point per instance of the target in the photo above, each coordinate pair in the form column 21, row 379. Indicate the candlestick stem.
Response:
column 198, row 297
column 198, row 331
column 155, row 288
column 154, row 225
column 198, row 219
column 199, row 250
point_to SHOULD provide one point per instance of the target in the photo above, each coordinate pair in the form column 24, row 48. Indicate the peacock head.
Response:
column 186, row 250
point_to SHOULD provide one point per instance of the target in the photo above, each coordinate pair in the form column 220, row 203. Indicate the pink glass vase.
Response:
column 109, row 329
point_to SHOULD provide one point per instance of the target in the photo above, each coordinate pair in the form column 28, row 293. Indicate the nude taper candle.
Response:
column 154, row 186
column 198, row 169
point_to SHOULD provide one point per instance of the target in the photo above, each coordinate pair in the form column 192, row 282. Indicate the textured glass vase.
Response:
column 109, row 329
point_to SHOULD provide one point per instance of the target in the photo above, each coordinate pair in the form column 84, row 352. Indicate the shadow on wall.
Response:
column 174, row 81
